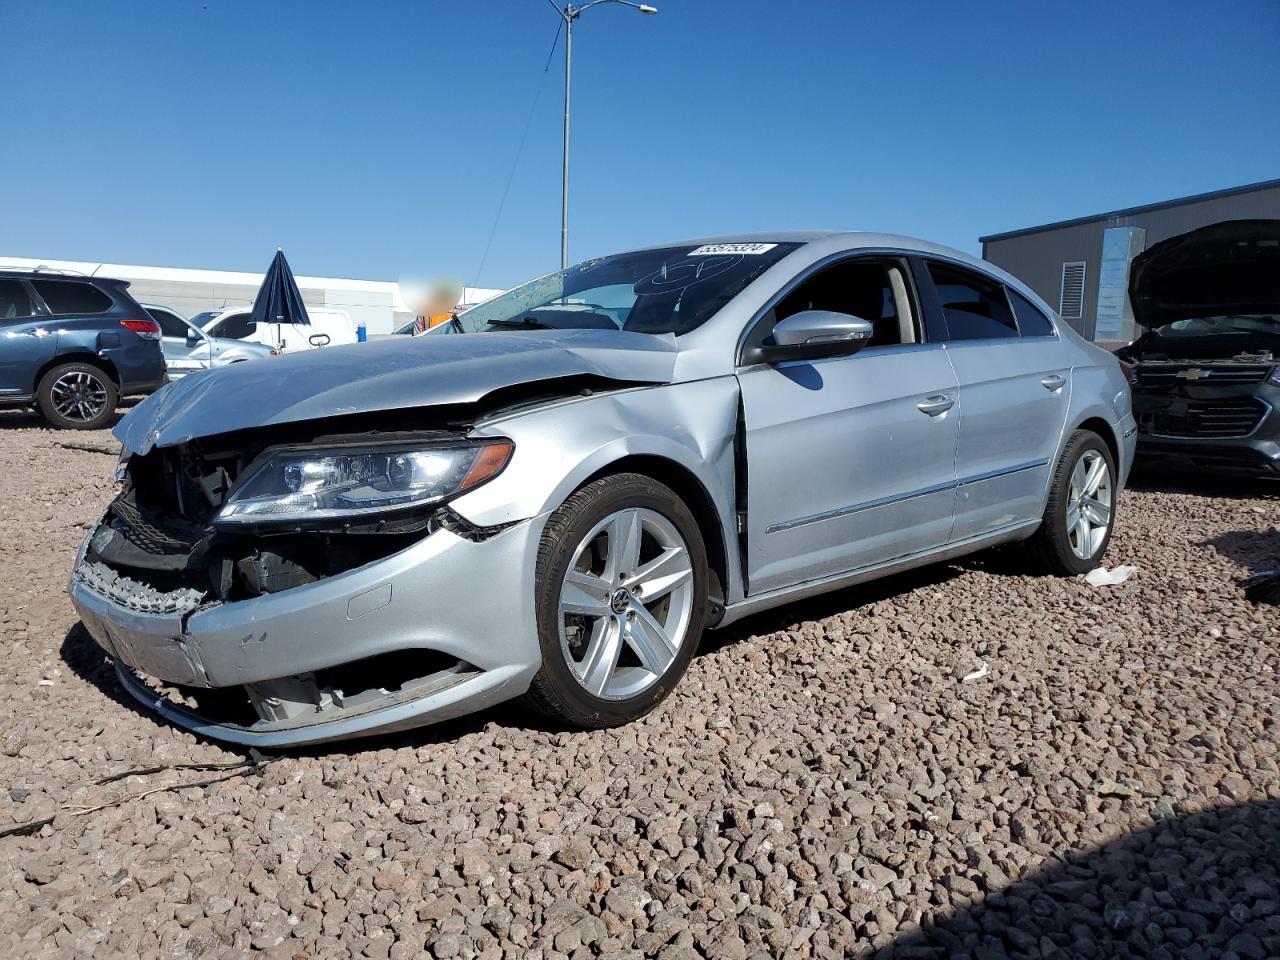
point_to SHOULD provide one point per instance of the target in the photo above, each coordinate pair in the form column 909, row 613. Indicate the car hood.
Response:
column 392, row 374
column 1227, row 268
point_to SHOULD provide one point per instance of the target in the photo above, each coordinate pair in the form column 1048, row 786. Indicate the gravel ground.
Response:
column 823, row 783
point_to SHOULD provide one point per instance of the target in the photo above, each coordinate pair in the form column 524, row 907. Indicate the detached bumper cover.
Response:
column 466, row 600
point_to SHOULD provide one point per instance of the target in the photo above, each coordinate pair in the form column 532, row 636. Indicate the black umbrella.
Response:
column 278, row 300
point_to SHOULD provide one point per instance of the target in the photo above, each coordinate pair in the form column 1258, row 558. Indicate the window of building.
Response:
column 15, row 302
column 974, row 306
column 1071, row 298
column 64, row 297
column 1031, row 319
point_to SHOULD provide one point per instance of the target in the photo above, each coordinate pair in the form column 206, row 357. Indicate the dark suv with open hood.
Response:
column 1206, row 370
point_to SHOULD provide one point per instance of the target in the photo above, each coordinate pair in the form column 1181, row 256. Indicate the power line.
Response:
column 519, row 150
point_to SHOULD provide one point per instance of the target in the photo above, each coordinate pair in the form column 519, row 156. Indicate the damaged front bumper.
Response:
column 1230, row 428
column 440, row 629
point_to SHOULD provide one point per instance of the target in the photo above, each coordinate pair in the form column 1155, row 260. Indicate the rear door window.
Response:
column 15, row 302
column 974, row 306
column 1031, row 319
column 64, row 297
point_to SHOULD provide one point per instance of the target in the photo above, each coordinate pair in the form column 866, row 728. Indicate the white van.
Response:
column 329, row 328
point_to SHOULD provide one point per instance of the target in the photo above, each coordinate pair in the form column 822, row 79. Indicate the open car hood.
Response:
column 1231, row 267
column 392, row 374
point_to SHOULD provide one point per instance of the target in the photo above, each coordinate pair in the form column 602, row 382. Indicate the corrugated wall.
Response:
column 1037, row 258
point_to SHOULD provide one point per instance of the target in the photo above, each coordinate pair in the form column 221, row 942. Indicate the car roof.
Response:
column 849, row 239
column 23, row 273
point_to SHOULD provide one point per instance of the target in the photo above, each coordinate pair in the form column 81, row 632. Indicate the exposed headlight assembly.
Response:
column 293, row 484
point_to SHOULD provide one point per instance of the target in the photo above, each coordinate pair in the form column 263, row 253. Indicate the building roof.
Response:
column 1131, row 211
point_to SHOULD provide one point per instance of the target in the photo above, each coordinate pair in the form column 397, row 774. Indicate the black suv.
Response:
column 1206, row 370
column 73, row 345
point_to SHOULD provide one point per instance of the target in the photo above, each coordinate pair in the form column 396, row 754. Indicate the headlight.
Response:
column 1275, row 376
column 314, row 483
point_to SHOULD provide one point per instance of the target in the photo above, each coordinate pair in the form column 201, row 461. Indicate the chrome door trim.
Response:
column 911, row 495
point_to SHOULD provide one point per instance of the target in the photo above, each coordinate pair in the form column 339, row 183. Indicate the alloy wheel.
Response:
column 625, row 603
column 79, row 396
column 1089, row 504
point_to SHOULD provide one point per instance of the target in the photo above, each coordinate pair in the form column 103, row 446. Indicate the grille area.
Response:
column 1218, row 419
column 1174, row 374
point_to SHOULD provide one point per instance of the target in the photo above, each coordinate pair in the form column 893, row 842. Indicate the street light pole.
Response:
column 569, row 14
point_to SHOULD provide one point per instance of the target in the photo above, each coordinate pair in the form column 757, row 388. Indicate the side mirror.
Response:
column 195, row 337
column 814, row 335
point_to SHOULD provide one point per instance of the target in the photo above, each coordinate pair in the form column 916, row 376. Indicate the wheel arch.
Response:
column 697, row 498
column 1106, row 431
column 76, row 356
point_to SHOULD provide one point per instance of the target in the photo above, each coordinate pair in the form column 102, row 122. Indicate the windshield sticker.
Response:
column 711, row 249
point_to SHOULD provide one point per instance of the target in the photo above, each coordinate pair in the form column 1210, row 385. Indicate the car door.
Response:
column 849, row 461
column 1014, row 395
column 27, row 341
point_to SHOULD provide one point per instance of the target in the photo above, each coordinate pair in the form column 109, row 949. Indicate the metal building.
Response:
column 1081, row 266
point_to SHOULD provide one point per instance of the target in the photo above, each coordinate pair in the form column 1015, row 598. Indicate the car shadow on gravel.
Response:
column 1202, row 885
column 1205, row 484
column 1253, row 550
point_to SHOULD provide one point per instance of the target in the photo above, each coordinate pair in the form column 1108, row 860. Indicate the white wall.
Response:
column 189, row 291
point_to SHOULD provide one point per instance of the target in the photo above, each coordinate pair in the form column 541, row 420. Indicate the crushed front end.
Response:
column 1206, row 370
column 258, row 618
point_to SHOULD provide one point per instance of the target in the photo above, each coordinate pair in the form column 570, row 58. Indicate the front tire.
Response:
column 77, row 396
column 1080, row 513
column 621, row 601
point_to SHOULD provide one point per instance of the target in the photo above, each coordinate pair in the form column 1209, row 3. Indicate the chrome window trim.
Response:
column 911, row 495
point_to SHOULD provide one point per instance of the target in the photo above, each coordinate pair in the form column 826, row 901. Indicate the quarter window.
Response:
column 1031, row 319
column 14, row 300
column 975, row 307
column 72, row 297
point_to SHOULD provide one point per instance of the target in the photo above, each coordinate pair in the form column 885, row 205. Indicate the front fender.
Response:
column 558, row 447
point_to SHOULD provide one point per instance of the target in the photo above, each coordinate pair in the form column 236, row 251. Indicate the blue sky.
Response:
column 370, row 139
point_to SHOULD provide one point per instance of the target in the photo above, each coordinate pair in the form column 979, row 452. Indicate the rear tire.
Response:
column 77, row 396
column 621, row 595
column 1080, row 513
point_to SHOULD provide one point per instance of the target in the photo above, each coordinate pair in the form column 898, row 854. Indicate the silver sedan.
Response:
column 554, row 495
column 188, row 349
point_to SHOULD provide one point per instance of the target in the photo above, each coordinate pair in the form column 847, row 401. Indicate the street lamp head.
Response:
column 645, row 8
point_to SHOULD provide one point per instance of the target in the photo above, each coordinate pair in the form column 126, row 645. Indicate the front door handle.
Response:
column 1053, row 382
column 934, row 406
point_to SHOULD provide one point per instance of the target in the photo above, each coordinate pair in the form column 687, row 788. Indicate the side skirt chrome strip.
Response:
column 812, row 588
column 912, row 495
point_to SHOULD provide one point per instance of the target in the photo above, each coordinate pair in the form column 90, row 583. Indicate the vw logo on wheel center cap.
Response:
column 620, row 600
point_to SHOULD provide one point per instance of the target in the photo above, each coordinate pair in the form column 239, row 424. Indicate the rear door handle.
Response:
column 935, row 405
column 1053, row 382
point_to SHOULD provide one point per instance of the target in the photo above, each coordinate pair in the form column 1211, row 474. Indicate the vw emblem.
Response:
column 1193, row 373
column 620, row 600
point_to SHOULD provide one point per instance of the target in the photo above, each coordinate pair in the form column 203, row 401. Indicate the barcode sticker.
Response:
column 721, row 248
